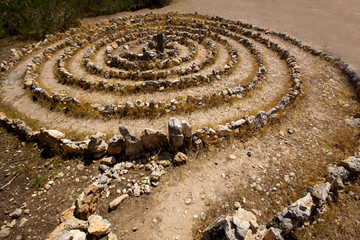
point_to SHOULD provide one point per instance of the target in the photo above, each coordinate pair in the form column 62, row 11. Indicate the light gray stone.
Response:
column 176, row 136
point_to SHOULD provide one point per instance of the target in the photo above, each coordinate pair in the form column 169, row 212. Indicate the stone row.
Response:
column 148, row 86
column 150, row 59
column 243, row 224
column 151, row 74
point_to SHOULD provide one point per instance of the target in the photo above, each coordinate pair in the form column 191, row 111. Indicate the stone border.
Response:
column 57, row 140
column 243, row 225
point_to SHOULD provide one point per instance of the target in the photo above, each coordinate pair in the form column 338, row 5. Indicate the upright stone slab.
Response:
column 176, row 136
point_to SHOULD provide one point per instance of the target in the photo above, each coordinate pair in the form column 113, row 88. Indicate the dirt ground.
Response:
column 270, row 169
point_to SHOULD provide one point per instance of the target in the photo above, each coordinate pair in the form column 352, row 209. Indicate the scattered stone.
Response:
column 98, row 226
column 116, row 202
column 4, row 232
column 180, row 159
column 147, row 189
column 23, row 221
column 108, row 161
column 16, row 213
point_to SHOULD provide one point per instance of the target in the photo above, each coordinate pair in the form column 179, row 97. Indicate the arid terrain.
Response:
column 299, row 114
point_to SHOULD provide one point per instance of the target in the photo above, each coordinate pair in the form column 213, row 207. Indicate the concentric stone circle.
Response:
column 148, row 68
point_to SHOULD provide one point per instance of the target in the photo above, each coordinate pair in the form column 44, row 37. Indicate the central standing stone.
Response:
column 160, row 41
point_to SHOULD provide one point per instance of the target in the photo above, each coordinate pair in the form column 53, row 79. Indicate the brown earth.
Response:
column 311, row 135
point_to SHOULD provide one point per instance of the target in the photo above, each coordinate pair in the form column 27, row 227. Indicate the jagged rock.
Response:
column 320, row 194
column 294, row 215
column 233, row 226
column 176, row 136
column 97, row 146
column 337, row 176
column 98, row 226
column 352, row 164
column 273, row 234
column 108, row 161
column 116, row 145
column 260, row 119
column 86, row 203
column 154, row 139
column 133, row 145
column 68, row 214
column 180, row 159
column 116, row 202
column 50, row 138
column 223, row 131
column 302, row 208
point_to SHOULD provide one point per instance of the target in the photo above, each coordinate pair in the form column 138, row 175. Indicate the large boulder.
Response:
column 133, row 145
column 152, row 139
column 50, row 138
column 98, row 226
column 86, row 203
column 176, row 136
column 116, row 145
